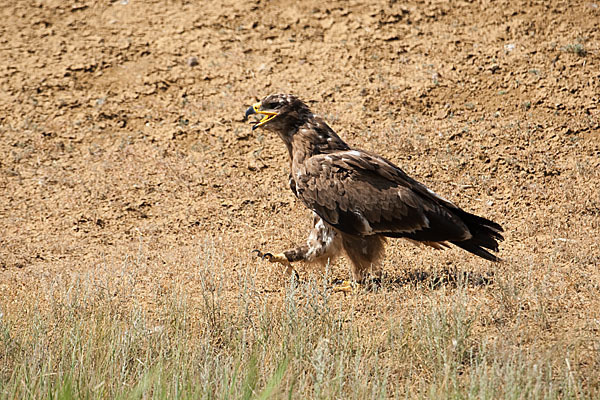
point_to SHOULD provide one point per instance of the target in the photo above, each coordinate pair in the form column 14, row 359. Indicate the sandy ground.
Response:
column 122, row 139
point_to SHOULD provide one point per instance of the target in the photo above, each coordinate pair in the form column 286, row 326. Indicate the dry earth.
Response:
column 122, row 138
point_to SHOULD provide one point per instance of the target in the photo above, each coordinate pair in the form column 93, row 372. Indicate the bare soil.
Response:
column 121, row 137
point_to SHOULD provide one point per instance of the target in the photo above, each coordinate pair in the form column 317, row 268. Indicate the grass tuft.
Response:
column 576, row 48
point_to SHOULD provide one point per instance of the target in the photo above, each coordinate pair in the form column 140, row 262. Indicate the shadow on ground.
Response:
column 418, row 278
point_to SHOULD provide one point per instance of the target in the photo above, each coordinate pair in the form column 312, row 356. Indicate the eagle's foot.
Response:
column 278, row 258
column 351, row 287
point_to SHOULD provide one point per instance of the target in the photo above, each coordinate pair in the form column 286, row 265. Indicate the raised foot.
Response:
column 278, row 258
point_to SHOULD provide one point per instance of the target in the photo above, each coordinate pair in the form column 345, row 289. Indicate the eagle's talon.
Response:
column 278, row 258
column 261, row 254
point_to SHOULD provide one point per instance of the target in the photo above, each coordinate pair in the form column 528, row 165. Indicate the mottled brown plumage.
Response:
column 359, row 198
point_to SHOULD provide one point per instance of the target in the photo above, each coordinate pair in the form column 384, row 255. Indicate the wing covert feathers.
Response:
column 363, row 194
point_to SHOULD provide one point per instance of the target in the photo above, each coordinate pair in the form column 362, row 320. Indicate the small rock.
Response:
column 192, row 61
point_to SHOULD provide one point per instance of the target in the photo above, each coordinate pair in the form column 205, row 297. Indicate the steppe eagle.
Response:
column 360, row 199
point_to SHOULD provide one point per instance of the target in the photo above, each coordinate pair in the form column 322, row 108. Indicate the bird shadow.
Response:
column 418, row 278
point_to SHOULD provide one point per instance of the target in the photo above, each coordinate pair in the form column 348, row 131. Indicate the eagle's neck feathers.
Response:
column 312, row 138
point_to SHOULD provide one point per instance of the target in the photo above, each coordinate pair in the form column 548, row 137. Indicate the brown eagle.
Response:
column 360, row 199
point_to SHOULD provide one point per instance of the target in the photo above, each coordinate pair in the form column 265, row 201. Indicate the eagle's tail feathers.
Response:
column 475, row 223
column 472, row 246
column 485, row 235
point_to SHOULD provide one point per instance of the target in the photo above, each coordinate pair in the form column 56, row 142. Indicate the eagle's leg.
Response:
column 322, row 246
column 365, row 253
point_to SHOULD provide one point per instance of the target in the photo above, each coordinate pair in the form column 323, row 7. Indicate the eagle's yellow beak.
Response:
column 255, row 109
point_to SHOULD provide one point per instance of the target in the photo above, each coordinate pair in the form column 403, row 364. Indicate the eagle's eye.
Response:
column 270, row 106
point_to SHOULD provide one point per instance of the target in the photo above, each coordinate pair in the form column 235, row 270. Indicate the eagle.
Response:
column 360, row 199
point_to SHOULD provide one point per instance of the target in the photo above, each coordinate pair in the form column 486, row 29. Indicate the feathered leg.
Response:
column 365, row 253
column 323, row 245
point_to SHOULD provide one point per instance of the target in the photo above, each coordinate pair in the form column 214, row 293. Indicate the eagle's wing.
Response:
column 363, row 194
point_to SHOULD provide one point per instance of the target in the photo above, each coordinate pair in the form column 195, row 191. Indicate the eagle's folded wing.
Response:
column 363, row 194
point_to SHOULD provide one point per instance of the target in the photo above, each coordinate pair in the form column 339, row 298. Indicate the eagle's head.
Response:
column 281, row 112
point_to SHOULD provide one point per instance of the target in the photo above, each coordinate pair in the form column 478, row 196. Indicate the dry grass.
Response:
column 95, row 339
